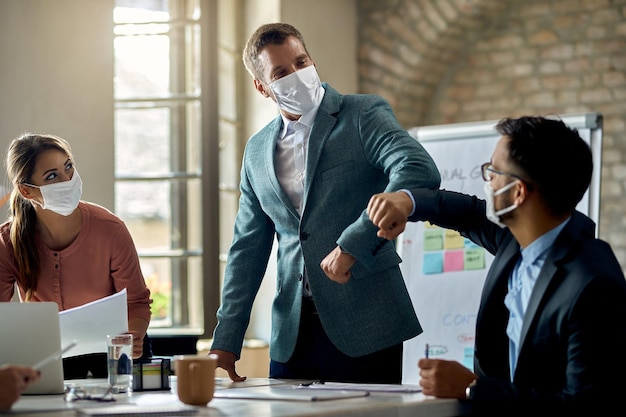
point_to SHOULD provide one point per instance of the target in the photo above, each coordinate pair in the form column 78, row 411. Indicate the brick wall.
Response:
column 450, row 61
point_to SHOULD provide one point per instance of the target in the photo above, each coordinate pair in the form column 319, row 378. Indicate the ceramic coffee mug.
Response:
column 195, row 378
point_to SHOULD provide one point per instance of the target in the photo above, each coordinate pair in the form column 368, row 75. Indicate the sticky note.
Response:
column 453, row 260
column 453, row 240
column 468, row 358
column 433, row 239
column 469, row 244
column 474, row 259
column 433, row 263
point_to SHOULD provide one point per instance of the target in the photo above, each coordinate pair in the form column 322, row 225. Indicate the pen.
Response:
column 53, row 357
column 426, row 351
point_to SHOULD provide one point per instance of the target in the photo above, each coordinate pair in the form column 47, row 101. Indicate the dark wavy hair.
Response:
column 551, row 157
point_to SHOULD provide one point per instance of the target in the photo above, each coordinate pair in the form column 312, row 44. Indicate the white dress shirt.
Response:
column 290, row 162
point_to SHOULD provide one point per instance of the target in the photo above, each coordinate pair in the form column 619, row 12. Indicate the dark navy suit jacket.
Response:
column 573, row 339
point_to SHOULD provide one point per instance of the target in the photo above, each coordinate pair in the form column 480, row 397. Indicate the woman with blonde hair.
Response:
column 59, row 248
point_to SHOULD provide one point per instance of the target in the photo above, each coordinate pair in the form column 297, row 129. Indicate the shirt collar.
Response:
column 306, row 119
column 542, row 244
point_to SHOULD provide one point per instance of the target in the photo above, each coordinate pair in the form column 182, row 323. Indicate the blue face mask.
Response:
column 491, row 212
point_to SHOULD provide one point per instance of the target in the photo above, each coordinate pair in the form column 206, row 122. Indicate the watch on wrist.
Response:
column 468, row 390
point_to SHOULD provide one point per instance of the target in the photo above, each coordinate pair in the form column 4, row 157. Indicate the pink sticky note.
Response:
column 453, row 260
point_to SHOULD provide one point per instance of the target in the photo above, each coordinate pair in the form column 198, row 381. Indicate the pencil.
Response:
column 426, row 351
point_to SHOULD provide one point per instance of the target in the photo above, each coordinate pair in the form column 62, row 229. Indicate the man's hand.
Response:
column 336, row 265
column 14, row 380
column 444, row 379
column 226, row 360
column 390, row 212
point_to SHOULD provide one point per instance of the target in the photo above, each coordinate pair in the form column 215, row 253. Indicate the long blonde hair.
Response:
column 22, row 156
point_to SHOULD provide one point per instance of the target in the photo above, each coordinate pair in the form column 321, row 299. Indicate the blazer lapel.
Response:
column 501, row 268
column 322, row 127
column 539, row 290
column 570, row 233
column 492, row 348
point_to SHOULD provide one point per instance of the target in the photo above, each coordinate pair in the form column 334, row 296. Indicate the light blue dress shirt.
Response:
column 521, row 284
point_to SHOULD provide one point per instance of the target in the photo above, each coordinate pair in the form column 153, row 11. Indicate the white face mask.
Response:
column 298, row 92
column 491, row 212
column 61, row 197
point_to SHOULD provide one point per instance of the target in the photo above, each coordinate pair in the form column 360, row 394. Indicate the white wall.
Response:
column 56, row 72
column 329, row 28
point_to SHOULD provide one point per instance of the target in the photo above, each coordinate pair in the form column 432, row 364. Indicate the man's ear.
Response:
column 260, row 87
column 521, row 192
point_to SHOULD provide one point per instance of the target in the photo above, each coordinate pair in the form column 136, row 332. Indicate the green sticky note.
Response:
column 433, row 239
column 474, row 258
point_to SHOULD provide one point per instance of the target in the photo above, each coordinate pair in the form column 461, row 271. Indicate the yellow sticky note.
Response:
column 453, row 240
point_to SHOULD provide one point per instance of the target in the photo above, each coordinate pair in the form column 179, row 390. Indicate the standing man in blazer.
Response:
column 341, row 310
column 551, row 327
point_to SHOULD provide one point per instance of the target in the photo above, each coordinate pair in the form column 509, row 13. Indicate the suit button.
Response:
column 299, row 277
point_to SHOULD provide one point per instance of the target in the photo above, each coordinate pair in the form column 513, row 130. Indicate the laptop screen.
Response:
column 30, row 333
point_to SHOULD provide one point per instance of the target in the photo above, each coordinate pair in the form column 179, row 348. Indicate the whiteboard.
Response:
column 444, row 272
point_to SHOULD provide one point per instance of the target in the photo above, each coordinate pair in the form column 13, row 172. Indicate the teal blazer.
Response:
column 356, row 149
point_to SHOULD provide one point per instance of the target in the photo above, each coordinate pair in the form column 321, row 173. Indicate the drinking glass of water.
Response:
column 120, row 362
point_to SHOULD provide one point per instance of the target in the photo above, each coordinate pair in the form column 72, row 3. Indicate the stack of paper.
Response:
column 88, row 325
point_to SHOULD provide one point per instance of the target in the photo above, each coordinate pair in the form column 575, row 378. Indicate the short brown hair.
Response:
column 268, row 34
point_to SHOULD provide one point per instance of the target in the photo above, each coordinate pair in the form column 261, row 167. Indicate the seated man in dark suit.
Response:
column 551, row 327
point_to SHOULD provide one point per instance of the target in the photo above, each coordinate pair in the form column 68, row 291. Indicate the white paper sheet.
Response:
column 349, row 386
column 90, row 324
column 286, row 394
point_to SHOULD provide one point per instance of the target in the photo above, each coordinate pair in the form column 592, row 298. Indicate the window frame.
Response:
column 209, row 299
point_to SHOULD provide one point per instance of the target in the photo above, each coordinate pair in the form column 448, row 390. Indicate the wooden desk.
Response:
column 374, row 405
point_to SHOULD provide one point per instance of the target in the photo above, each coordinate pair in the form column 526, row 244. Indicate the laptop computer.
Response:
column 30, row 333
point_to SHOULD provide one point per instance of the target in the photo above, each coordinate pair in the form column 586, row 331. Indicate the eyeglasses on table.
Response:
column 78, row 393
